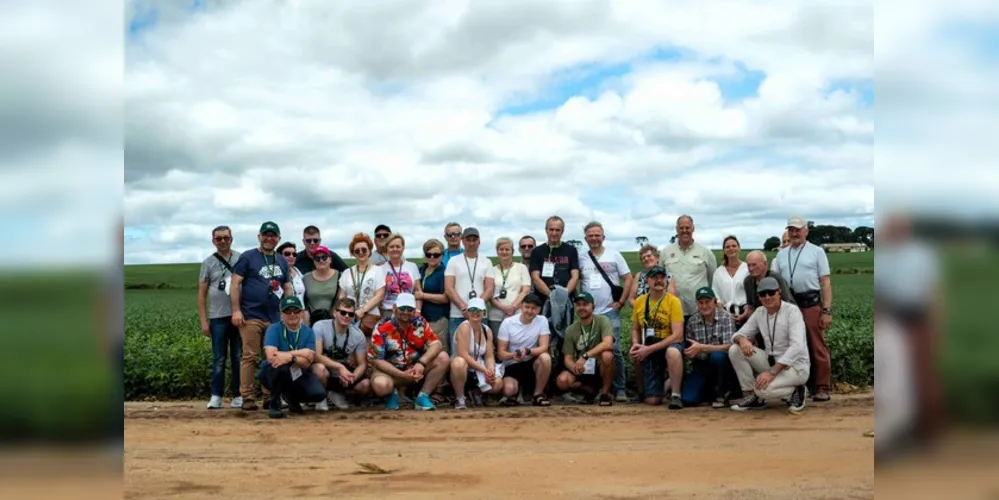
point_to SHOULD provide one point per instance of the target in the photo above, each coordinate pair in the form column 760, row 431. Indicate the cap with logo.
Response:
column 322, row 249
column 655, row 271
column 290, row 302
column 470, row 231
column 270, row 227
column 797, row 222
column 584, row 296
column 705, row 292
column 477, row 304
column 405, row 300
column 768, row 284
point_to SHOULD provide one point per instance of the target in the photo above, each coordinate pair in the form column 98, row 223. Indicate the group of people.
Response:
column 735, row 335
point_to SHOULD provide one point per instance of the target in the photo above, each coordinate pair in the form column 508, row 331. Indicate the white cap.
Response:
column 796, row 221
column 477, row 303
column 405, row 299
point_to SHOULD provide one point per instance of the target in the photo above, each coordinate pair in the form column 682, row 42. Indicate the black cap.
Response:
column 379, row 227
column 533, row 298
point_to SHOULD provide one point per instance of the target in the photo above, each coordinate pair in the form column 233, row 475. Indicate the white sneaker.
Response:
column 237, row 402
column 215, row 403
column 322, row 406
column 339, row 400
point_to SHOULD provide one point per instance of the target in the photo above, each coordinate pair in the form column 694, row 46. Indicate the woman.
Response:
column 401, row 276
column 474, row 354
column 649, row 255
column 364, row 282
column 435, row 306
column 728, row 279
column 321, row 285
column 289, row 252
column 513, row 283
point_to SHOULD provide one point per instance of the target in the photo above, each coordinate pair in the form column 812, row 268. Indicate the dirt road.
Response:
column 180, row 450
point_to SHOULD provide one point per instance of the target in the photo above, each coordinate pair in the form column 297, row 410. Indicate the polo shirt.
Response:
column 801, row 267
column 691, row 269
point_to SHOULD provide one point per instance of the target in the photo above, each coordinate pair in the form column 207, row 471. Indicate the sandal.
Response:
column 605, row 400
column 541, row 400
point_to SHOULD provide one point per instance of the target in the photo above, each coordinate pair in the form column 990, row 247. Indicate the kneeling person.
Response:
column 405, row 351
column 589, row 354
column 523, row 347
column 341, row 355
column 657, row 339
column 709, row 337
column 473, row 356
column 288, row 355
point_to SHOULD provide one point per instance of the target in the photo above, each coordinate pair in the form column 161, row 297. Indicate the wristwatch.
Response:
column 772, row 371
column 586, row 355
column 827, row 310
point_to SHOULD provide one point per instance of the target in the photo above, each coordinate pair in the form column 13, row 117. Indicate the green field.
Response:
column 167, row 357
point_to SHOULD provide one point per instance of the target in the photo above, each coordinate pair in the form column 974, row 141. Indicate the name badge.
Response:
column 548, row 270
column 596, row 284
column 590, row 367
column 228, row 284
column 279, row 292
column 295, row 372
column 650, row 332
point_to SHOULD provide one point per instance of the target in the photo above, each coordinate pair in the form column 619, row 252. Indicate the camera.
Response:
column 472, row 295
column 222, row 285
column 502, row 294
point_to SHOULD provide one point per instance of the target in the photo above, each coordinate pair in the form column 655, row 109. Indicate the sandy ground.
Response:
column 181, row 450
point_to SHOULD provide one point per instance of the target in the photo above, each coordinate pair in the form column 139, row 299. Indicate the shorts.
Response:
column 595, row 381
column 523, row 373
column 654, row 372
column 333, row 382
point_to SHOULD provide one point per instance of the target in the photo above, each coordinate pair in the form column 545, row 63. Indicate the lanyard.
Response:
column 395, row 274
column 773, row 330
column 584, row 337
column 795, row 266
column 340, row 351
column 478, row 345
column 271, row 266
column 297, row 335
column 426, row 275
column 655, row 322
column 357, row 284
column 471, row 271
column 504, row 275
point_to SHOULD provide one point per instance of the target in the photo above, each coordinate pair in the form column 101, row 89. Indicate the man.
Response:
column 527, row 244
column 589, row 357
column 691, row 264
column 405, row 351
column 783, row 366
column 380, row 255
column 259, row 280
column 805, row 267
column 606, row 276
column 756, row 261
column 214, row 284
column 657, row 339
column 465, row 278
column 523, row 349
column 785, row 240
column 288, row 355
column 552, row 263
column 341, row 355
column 452, row 234
column 311, row 239
column 709, row 337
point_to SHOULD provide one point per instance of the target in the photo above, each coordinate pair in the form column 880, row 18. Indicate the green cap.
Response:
column 583, row 296
column 270, row 227
column 705, row 292
column 655, row 270
column 290, row 302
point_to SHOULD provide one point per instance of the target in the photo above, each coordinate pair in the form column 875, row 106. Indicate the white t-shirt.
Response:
column 613, row 264
column 801, row 267
column 370, row 282
column 730, row 289
column 521, row 336
column 409, row 275
column 516, row 277
column 468, row 272
column 299, row 285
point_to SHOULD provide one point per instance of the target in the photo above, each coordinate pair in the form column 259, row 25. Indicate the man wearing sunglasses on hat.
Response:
column 214, row 282
column 783, row 365
column 312, row 239
column 341, row 356
column 380, row 255
column 452, row 235
column 405, row 351
column 288, row 352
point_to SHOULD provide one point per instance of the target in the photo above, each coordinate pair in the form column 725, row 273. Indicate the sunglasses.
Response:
column 290, row 253
column 767, row 293
column 222, row 238
column 312, row 241
column 292, row 311
column 348, row 314
column 321, row 258
column 382, row 236
column 360, row 251
column 526, row 247
column 433, row 255
column 406, row 309
column 452, row 235
column 475, row 310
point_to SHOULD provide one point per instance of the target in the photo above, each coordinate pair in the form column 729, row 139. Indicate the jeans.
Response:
column 306, row 389
column 226, row 342
column 708, row 379
column 615, row 319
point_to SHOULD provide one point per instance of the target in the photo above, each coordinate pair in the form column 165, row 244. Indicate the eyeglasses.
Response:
column 452, row 235
column 526, row 247
column 321, row 258
column 766, row 293
column 347, row 314
column 292, row 311
column 406, row 309
column 290, row 253
column 433, row 255
column 360, row 250
column 381, row 236
column 220, row 239
column 312, row 241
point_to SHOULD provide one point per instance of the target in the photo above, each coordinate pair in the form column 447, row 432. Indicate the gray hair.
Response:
column 593, row 224
column 452, row 223
column 554, row 218
column 684, row 216
column 757, row 253
column 504, row 240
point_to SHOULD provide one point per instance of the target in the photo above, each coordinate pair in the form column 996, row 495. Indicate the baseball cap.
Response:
column 270, row 227
column 405, row 300
column 532, row 298
column 655, row 270
column 705, row 292
column 469, row 231
column 797, row 222
column 477, row 303
column 290, row 302
column 583, row 296
column 321, row 249
column 768, row 284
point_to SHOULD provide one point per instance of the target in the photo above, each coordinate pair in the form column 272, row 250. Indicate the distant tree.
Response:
column 865, row 235
column 576, row 243
column 822, row 234
column 641, row 241
column 771, row 243
column 672, row 239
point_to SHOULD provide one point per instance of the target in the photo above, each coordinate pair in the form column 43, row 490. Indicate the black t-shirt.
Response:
column 565, row 257
column 306, row 265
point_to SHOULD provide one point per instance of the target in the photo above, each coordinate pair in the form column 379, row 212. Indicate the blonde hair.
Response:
column 431, row 243
column 395, row 236
column 649, row 247
column 504, row 241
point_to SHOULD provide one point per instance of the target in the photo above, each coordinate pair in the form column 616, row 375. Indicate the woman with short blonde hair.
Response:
column 513, row 283
column 401, row 276
column 435, row 305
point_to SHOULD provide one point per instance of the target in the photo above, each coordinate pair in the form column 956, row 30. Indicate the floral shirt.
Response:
column 401, row 349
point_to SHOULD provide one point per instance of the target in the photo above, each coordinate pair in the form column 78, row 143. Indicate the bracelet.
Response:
column 420, row 362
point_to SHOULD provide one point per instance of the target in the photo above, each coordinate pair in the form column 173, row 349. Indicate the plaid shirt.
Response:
column 719, row 333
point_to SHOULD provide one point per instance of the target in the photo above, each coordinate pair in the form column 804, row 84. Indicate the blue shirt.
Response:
column 279, row 336
column 448, row 254
column 434, row 283
column 256, row 298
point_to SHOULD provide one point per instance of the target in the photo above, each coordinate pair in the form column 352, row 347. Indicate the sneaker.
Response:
column 237, row 402
column 295, row 407
column 249, row 405
column 284, row 403
column 339, row 401
column 478, row 401
column 423, row 402
column 215, row 403
column 459, row 403
column 797, row 401
column 274, row 410
column 819, row 397
column 392, row 401
column 675, row 403
column 571, row 398
column 718, row 403
column 322, row 406
column 750, row 403
column 621, row 397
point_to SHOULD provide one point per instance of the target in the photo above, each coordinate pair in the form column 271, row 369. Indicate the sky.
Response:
column 496, row 115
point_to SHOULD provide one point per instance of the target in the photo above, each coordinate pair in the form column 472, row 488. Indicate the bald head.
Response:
column 785, row 240
column 757, row 263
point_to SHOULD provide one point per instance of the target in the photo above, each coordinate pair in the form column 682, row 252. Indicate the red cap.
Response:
column 321, row 249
